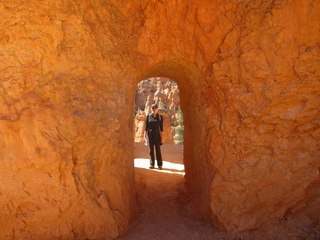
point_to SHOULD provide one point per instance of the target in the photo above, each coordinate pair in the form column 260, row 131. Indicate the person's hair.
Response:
column 154, row 106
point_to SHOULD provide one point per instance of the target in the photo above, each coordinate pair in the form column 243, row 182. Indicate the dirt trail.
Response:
column 164, row 211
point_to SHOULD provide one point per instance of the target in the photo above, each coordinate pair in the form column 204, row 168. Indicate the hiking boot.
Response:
column 151, row 167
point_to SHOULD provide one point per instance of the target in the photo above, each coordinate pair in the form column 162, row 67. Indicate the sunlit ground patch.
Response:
column 167, row 167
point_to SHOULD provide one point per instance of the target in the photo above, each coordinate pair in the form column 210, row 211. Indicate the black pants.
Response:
column 154, row 142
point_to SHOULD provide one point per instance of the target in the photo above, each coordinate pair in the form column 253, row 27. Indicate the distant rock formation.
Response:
column 165, row 93
column 139, row 126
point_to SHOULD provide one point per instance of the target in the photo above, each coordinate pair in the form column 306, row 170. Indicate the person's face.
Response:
column 155, row 110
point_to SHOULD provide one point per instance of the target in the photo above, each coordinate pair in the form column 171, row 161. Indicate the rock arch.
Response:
column 192, row 100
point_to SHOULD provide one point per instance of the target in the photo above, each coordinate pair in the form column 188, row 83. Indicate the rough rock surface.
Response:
column 139, row 126
column 249, row 70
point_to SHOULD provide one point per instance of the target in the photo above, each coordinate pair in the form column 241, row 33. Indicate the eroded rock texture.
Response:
column 249, row 70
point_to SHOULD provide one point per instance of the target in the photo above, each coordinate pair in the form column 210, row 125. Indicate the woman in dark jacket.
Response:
column 153, row 132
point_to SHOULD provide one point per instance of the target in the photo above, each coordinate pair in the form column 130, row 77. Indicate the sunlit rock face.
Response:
column 248, row 74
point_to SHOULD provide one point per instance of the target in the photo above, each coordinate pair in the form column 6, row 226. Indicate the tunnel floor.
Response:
column 164, row 210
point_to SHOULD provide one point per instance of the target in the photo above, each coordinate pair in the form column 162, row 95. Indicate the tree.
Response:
column 179, row 129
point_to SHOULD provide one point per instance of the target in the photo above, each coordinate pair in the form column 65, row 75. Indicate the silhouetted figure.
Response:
column 153, row 131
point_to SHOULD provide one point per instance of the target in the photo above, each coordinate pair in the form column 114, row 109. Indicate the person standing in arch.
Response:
column 153, row 132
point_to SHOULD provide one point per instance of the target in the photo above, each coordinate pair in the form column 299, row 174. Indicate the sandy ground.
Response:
column 164, row 210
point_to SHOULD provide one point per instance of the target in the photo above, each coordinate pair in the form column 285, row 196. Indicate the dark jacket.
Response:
column 154, row 123
column 153, row 126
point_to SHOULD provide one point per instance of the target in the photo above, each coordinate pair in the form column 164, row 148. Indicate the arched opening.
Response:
column 158, row 190
column 164, row 93
column 195, row 183
column 193, row 102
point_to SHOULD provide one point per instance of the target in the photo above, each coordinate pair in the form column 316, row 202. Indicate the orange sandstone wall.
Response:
column 66, row 168
column 252, row 142
column 248, row 75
